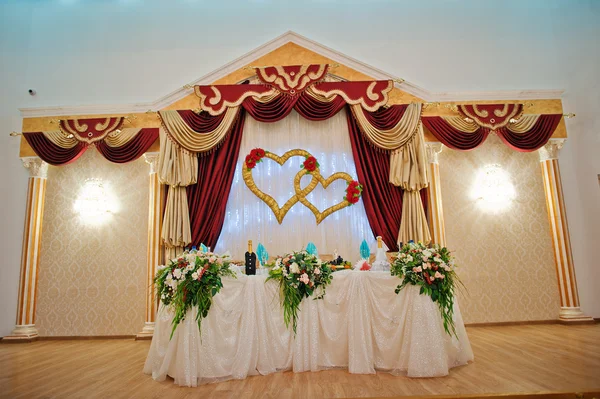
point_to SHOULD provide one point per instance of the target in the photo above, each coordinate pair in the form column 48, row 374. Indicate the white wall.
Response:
column 123, row 51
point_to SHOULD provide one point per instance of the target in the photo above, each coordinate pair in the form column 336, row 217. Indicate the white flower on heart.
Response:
column 294, row 268
column 304, row 278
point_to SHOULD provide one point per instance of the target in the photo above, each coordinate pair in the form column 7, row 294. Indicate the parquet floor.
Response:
column 508, row 359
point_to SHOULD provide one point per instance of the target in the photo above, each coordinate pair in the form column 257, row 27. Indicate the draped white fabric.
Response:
column 360, row 325
column 248, row 218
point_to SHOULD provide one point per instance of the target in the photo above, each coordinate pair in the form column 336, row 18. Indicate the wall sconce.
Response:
column 493, row 189
column 94, row 203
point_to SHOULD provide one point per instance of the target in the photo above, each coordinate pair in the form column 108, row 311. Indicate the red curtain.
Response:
column 529, row 141
column 382, row 200
column 281, row 106
column 131, row 151
column 50, row 152
column 207, row 199
column 535, row 138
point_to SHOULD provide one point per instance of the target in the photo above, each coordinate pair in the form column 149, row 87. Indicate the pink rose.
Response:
column 424, row 258
column 426, row 266
column 304, row 278
column 432, row 278
column 438, row 275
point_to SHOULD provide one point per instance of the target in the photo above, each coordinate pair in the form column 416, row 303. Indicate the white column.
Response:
column 25, row 330
column 435, row 210
column 155, row 252
column 559, row 229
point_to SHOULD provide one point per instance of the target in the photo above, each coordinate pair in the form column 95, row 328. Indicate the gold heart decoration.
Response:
column 300, row 194
column 325, row 183
column 279, row 212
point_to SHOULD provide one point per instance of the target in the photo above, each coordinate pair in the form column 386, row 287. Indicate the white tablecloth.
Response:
column 360, row 325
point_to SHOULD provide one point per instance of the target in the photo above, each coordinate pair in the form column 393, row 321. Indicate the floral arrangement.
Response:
column 191, row 279
column 299, row 275
column 310, row 164
column 255, row 156
column 353, row 192
column 433, row 269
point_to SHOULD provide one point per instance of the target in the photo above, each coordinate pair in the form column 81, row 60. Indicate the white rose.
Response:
column 294, row 268
column 427, row 253
column 177, row 274
column 191, row 258
column 438, row 259
column 409, row 258
column 195, row 275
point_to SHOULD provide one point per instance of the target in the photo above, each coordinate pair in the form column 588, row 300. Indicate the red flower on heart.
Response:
column 353, row 192
column 250, row 162
column 257, row 154
column 310, row 164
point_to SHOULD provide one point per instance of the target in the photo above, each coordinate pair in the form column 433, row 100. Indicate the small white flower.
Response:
column 409, row 258
column 212, row 259
column 195, row 275
column 177, row 274
column 438, row 259
column 161, row 267
column 427, row 253
column 317, row 271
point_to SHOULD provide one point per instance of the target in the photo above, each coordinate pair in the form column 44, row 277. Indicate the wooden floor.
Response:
column 509, row 359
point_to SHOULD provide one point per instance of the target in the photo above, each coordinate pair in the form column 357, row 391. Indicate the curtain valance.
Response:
column 115, row 143
column 521, row 132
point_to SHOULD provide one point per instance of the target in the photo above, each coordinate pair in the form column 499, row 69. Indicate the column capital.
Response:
column 37, row 167
column 433, row 149
column 151, row 159
column 551, row 149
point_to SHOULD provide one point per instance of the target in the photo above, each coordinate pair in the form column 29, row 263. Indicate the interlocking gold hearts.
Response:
column 300, row 193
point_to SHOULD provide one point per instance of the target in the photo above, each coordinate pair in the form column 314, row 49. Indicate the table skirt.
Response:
column 360, row 325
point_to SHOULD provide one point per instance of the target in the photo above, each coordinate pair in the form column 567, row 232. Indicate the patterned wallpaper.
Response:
column 92, row 278
column 506, row 258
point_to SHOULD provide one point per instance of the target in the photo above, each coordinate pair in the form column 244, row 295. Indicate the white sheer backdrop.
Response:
column 248, row 217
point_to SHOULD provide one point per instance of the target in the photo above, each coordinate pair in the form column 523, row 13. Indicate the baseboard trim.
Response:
column 513, row 323
column 84, row 337
column 514, row 395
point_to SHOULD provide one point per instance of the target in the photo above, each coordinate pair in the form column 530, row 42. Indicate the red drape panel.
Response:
column 207, row 199
column 50, row 152
column 386, row 118
column 533, row 139
column 273, row 111
column 202, row 122
column 131, row 151
column 452, row 137
column 382, row 200
column 311, row 108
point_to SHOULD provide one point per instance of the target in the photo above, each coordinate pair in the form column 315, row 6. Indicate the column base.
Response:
column 147, row 332
column 573, row 316
column 22, row 334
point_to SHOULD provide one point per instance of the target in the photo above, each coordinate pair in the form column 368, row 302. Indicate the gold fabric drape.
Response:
column 190, row 140
column 458, row 123
column 396, row 137
column 413, row 225
column 524, row 124
column 176, row 230
column 121, row 137
column 60, row 139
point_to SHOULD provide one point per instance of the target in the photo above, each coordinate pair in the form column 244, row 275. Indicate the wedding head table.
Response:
column 361, row 325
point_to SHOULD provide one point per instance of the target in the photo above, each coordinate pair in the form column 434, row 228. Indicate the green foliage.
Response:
column 299, row 275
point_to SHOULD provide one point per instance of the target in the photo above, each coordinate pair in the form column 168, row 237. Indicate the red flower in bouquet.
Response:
column 257, row 154
column 250, row 162
column 310, row 164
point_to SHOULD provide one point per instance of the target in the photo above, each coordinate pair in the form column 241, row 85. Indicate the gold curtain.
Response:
column 408, row 167
column 458, row 123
